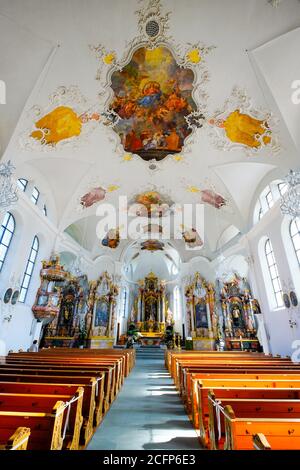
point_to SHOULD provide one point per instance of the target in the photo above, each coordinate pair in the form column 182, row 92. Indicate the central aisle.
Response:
column 148, row 413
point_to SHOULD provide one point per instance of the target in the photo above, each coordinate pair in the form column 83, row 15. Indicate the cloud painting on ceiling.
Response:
column 152, row 245
column 150, row 203
column 192, row 238
column 112, row 239
column 208, row 196
column 95, row 195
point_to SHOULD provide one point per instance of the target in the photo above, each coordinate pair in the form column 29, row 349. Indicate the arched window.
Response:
column 295, row 236
column 29, row 269
column 177, row 302
column 35, row 195
column 273, row 271
column 6, row 233
column 22, row 183
column 282, row 188
column 124, row 302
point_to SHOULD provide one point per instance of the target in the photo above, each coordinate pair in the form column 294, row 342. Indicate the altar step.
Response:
column 149, row 352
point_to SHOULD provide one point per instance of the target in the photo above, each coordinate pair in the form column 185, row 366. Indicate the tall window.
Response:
column 22, row 183
column 35, row 195
column 6, row 233
column 29, row 269
column 124, row 302
column 295, row 236
column 282, row 188
column 177, row 302
column 273, row 271
column 269, row 199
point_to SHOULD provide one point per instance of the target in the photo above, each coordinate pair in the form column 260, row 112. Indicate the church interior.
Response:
column 150, row 225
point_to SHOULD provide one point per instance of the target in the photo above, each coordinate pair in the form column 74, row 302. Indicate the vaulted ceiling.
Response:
column 46, row 46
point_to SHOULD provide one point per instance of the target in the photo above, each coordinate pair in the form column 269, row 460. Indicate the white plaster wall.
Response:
column 21, row 330
column 280, row 334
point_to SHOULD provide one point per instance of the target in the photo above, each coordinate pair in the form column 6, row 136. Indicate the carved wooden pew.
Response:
column 244, row 408
column 189, row 388
column 16, row 441
column 46, row 428
column 218, row 366
column 63, row 370
column 212, row 356
column 83, row 391
column 92, row 407
column 281, row 433
column 128, row 354
column 23, row 402
column 185, row 372
column 80, row 368
column 171, row 356
column 236, row 386
column 241, row 393
column 84, row 363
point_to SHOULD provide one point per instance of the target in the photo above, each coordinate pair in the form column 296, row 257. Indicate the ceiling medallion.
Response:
column 154, row 97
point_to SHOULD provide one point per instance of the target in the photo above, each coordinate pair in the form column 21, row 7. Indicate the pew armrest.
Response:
column 260, row 442
column 19, row 439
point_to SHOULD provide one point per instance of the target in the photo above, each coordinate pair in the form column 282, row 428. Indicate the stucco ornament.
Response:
column 240, row 125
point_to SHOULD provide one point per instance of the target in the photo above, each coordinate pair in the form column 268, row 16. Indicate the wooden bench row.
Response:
column 58, row 395
column 239, row 401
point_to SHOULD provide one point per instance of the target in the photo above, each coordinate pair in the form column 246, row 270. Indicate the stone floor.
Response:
column 147, row 414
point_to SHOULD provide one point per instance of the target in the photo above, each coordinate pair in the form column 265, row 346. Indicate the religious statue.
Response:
column 236, row 316
column 169, row 318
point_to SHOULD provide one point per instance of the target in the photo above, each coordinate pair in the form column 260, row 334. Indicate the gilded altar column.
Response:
column 139, row 313
column 159, row 316
column 192, row 314
column 143, row 308
column 163, row 319
column 208, row 316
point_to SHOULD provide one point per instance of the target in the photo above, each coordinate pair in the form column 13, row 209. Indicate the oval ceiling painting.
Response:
column 153, row 97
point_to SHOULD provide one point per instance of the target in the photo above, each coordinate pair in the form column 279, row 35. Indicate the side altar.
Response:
column 202, row 317
column 150, row 313
column 74, row 311
column 239, row 310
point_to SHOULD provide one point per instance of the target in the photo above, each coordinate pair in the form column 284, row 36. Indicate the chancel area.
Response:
column 149, row 225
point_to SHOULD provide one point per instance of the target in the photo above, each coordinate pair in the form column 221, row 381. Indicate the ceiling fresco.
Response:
column 152, row 98
column 168, row 111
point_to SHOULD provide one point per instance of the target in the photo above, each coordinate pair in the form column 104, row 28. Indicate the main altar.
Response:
column 150, row 312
